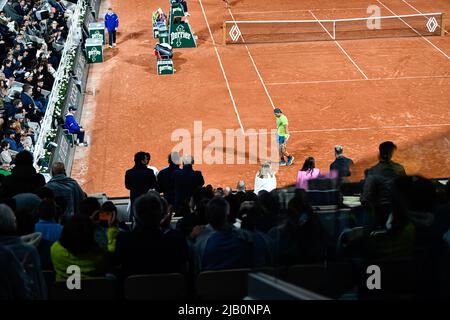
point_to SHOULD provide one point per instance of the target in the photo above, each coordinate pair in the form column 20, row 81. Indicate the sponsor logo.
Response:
column 94, row 53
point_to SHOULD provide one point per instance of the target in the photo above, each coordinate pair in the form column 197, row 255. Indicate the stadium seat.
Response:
column 155, row 287
column 100, row 288
column 222, row 284
column 399, row 279
column 314, row 277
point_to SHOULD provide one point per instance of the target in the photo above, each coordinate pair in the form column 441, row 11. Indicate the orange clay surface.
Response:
column 326, row 98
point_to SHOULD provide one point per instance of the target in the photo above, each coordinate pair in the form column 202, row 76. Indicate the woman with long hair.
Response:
column 306, row 173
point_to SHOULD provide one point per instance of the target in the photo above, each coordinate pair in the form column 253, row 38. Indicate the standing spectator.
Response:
column 149, row 157
column 341, row 164
column 73, row 127
column 65, row 187
column 186, row 180
column 139, row 179
column 377, row 190
column 111, row 24
column 26, row 254
column 24, row 177
column 306, row 173
column 265, row 178
column 146, row 249
column 165, row 183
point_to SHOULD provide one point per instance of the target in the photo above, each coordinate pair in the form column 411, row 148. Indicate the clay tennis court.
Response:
column 356, row 93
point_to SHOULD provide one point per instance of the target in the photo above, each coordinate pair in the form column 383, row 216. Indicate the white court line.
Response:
column 437, row 125
column 223, row 70
column 415, row 9
column 416, row 31
column 254, row 66
column 299, row 10
column 337, row 43
column 355, row 80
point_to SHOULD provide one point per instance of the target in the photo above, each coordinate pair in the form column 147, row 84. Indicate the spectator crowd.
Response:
column 32, row 37
column 177, row 224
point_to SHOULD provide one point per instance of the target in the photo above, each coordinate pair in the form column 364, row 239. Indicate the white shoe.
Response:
column 114, row 45
column 187, row 14
column 110, row 46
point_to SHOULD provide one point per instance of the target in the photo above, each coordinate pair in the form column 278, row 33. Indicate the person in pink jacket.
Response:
column 307, row 172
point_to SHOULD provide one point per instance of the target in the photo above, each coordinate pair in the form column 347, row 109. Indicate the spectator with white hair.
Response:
column 186, row 180
column 25, row 253
column 265, row 178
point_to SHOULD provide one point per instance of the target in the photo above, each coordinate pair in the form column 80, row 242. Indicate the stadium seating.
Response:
column 155, row 287
column 222, row 284
column 100, row 288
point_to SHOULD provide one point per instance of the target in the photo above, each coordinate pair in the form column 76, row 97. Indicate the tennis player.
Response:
column 283, row 137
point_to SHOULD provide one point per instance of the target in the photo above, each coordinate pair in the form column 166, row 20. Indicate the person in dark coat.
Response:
column 24, row 177
column 139, row 179
column 186, row 180
column 165, row 183
column 341, row 164
column 66, row 188
column 146, row 249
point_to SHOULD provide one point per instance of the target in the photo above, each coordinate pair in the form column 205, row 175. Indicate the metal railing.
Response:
column 73, row 39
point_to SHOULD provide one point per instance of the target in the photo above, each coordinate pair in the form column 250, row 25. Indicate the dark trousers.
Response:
column 80, row 136
column 185, row 8
column 112, row 37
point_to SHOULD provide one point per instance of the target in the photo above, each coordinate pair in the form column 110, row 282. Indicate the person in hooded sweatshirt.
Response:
column 23, row 178
column 66, row 188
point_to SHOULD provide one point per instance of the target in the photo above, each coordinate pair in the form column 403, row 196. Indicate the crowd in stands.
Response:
column 53, row 225
column 32, row 37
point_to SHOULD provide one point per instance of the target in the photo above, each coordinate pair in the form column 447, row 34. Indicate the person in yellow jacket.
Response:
column 77, row 247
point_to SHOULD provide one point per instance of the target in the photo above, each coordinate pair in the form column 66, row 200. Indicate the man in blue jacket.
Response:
column 111, row 24
column 73, row 127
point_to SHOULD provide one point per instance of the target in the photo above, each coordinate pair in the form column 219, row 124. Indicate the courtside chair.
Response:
column 170, row 286
column 222, row 284
column 100, row 288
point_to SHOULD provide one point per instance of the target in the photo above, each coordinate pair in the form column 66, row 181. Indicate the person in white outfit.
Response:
column 265, row 178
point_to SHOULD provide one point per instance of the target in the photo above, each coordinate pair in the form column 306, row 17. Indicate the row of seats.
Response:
column 399, row 280
column 331, row 279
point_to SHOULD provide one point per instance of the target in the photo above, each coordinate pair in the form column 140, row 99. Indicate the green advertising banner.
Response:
column 97, row 31
column 165, row 67
column 181, row 36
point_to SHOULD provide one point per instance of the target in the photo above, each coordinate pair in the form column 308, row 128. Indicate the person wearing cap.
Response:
column 73, row 127
column 111, row 24
column 283, row 137
column 341, row 164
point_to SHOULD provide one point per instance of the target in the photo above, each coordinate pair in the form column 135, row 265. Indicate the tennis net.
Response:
column 272, row 31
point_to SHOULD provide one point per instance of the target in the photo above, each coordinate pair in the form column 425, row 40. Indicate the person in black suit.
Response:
column 139, row 179
column 165, row 182
column 186, row 180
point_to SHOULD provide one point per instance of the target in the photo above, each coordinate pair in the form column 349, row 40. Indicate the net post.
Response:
column 334, row 30
column 443, row 25
column 224, row 33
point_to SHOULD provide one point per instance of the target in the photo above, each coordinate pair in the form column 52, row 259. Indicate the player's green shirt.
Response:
column 282, row 121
